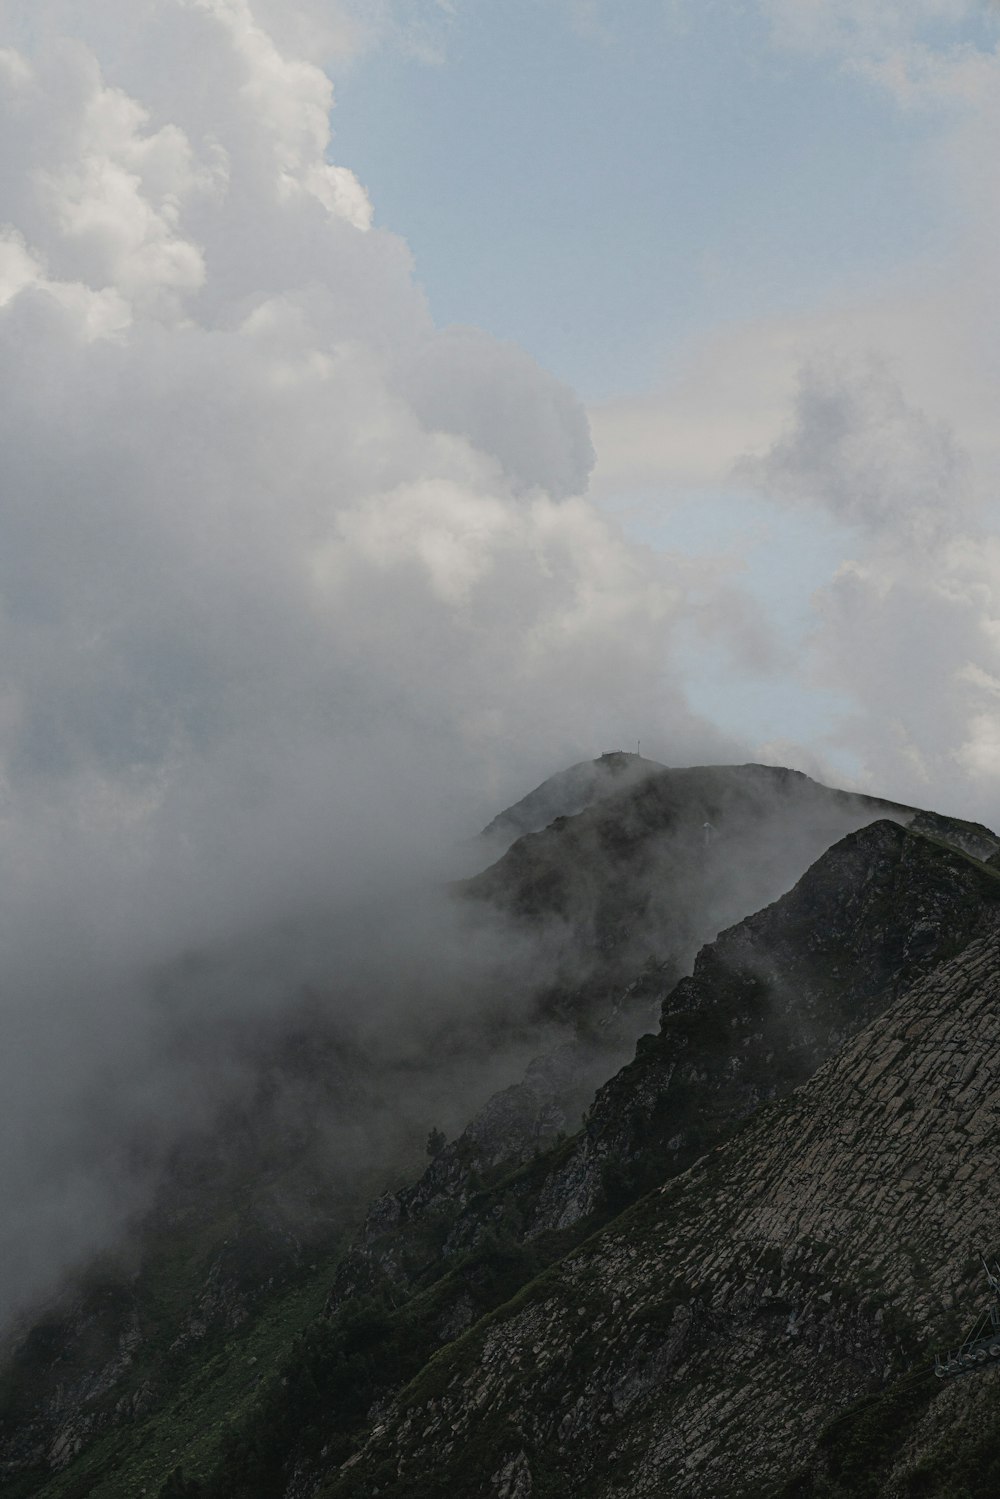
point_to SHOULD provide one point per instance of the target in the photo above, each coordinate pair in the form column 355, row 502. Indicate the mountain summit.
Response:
column 569, row 792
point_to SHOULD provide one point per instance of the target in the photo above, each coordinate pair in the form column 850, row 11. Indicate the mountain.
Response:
column 727, row 1281
column 704, row 1339
column 653, row 871
column 568, row 792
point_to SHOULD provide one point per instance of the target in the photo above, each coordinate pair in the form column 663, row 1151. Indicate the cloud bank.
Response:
column 295, row 589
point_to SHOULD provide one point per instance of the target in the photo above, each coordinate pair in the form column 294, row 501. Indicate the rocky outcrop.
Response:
column 702, row 1342
column 767, row 1003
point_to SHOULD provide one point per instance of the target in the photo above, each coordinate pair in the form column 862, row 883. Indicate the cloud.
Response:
column 906, row 626
column 295, row 590
column 920, row 54
column 860, row 450
column 290, row 101
column 465, row 382
column 724, row 395
column 894, row 437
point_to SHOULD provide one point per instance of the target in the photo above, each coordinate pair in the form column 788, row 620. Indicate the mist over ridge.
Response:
column 580, row 937
column 499, row 957
column 298, row 589
column 292, row 585
column 345, row 1030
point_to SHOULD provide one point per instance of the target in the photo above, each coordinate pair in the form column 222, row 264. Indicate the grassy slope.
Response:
column 215, row 1393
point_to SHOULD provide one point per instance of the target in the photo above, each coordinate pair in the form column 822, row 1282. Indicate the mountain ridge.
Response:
column 544, row 1395
column 522, row 1188
column 569, row 791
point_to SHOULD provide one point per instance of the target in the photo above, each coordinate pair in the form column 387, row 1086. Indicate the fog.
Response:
column 297, row 591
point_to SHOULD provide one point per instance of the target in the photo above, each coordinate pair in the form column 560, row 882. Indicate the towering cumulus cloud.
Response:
column 292, row 585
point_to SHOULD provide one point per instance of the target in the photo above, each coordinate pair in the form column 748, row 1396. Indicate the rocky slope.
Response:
column 248, row 1346
column 767, row 1003
column 701, row 1342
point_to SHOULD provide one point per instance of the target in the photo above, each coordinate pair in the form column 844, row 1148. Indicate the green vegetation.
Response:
column 212, row 1395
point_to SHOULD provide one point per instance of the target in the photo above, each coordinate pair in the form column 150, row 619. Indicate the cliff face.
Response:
column 770, row 1000
column 623, row 1308
column 610, row 1367
column 700, row 1344
column 767, row 1003
column 702, row 1341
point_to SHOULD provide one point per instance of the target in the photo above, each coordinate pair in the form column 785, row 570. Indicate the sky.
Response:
column 405, row 399
column 599, row 193
column 628, row 186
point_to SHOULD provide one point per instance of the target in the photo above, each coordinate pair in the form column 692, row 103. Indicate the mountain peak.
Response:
column 570, row 791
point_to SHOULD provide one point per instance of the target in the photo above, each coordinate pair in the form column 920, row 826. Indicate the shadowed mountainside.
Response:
column 703, row 1340
column 250, row 1343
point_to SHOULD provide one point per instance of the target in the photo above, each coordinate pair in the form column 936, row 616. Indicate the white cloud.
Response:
column 99, row 195
column 861, row 451
column 727, row 395
column 289, row 101
column 906, row 627
column 465, row 382
column 18, row 267
column 293, row 587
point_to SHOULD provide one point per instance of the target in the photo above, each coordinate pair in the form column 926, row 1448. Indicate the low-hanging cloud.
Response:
column 295, row 589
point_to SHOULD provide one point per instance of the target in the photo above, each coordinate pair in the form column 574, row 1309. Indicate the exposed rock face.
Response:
column 808, row 967
column 682, row 1294
column 701, row 1342
column 970, row 837
column 770, row 1000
